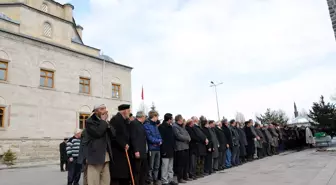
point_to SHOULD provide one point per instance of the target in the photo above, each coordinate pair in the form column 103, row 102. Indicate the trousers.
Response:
column 98, row 174
column 140, row 171
column 167, row 173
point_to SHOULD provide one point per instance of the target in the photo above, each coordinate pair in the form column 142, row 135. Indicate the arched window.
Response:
column 47, row 30
column 44, row 7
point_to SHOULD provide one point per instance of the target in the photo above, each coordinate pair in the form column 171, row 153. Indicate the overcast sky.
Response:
column 267, row 53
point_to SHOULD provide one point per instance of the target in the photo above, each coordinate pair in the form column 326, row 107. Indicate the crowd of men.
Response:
column 141, row 150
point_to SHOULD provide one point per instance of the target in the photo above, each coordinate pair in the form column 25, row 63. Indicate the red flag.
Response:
column 142, row 94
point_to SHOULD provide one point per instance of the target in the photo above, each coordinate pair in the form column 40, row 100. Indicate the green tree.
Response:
column 324, row 114
column 276, row 116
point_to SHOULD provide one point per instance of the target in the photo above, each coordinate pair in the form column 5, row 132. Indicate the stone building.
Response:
column 332, row 12
column 49, row 79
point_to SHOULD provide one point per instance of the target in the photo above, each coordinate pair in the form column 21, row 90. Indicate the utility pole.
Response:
column 215, row 86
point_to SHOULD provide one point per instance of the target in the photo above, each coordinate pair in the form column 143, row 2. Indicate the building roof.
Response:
column 300, row 120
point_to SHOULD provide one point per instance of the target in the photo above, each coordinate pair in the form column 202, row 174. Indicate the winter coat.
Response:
column 275, row 137
column 250, row 140
column 97, row 140
column 216, row 145
column 168, row 140
column 62, row 151
column 153, row 135
column 193, row 148
column 119, row 166
column 228, row 135
column 235, row 136
column 242, row 142
column 83, row 148
column 138, row 139
column 221, row 139
column 202, row 149
column 262, row 138
column 269, row 138
column 182, row 137
column 209, row 146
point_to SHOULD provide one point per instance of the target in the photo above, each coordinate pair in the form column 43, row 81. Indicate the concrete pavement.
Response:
column 299, row 168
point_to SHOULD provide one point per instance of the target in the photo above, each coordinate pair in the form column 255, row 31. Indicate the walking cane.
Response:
column 130, row 167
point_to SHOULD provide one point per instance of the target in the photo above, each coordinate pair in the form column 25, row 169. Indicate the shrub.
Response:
column 9, row 157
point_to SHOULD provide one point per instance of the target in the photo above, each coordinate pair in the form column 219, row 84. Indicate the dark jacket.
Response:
column 235, row 136
column 83, row 148
column 206, row 132
column 153, row 135
column 242, row 142
column 122, row 138
column 194, row 140
column 221, row 139
column 215, row 142
column 250, row 141
column 98, row 142
column 138, row 139
column 228, row 135
column 202, row 150
column 62, row 151
column 168, row 140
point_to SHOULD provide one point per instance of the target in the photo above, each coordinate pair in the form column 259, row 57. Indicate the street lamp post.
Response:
column 215, row 85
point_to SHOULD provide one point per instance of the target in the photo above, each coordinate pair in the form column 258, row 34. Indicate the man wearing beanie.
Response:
column 120, row 172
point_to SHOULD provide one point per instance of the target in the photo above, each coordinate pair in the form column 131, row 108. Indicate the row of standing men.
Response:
column 142, row 151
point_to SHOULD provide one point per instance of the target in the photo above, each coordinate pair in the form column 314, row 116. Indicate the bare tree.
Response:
column 240, row 117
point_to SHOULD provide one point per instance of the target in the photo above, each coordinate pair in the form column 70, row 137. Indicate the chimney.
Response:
column 68, row 9
column 79, row 29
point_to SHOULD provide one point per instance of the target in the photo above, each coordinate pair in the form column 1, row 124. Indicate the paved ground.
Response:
column 300, row 168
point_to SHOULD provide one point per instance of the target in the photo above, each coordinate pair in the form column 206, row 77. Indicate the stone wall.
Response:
column 32, row 150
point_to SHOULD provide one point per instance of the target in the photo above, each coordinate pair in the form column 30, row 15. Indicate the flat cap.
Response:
column 123, row 107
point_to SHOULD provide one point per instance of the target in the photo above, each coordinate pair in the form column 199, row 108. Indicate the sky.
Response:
column 267, row 53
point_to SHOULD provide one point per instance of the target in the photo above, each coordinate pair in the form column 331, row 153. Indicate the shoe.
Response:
column 173, row 183
column 156, row 183
column 187, row 179
column 194, row 178
column 182, row 181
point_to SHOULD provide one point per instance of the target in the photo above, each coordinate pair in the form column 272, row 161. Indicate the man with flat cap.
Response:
column 120, row 172
column 98, row 147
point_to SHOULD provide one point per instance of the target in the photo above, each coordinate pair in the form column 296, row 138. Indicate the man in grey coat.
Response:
column 182, row 139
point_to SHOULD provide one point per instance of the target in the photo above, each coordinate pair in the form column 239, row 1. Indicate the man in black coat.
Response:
column 63, row 155
column 201, row 148
column 167, row 150
column 193, row 148
column 120, row 172
column 98, row 149
column 228, row 135
column 250, row 137
column 138, row 148
column 223, row 145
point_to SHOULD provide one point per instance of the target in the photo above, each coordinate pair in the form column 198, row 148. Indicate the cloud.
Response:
column 267, row 53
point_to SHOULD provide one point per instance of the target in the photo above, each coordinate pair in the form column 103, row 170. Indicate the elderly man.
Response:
column 182, row 149
column 223, row 145
column 120, row 172
column 98, row 147
column 201, row 147
column 72, row 149
column 138, row 148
